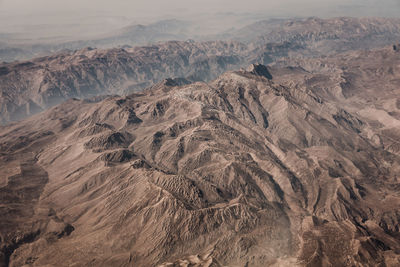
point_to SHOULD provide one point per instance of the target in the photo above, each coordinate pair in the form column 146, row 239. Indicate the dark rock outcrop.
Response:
column 242, row 171
column 261, row 70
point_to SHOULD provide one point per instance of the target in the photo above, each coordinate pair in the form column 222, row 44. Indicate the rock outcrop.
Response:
column 29, row 87
column 242, row 171
column 33, row 86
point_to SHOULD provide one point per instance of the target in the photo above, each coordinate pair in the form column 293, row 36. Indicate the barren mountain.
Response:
column 264, row 167
column 19, row 46
column 324, row 35
column 315, row 37
column 135, row 35
column 31, row 86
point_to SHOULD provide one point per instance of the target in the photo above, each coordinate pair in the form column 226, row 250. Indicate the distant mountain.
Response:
column 133, row 35
column 283, row 166
column 315, row 36
column 375, row 31
column 32, row 86
column 164, row 30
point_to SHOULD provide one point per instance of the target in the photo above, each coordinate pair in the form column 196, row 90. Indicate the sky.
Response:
column 26, row 14
column 132, row 8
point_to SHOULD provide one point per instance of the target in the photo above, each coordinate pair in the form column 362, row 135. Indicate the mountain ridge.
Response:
column 31, row 86
column 243, row 170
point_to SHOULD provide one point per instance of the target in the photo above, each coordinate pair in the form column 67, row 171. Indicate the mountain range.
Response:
column 277, row 147
column 31, row 86
column 260, row 167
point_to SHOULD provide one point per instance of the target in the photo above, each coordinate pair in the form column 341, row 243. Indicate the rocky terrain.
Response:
column 324, row 35
column 31, row 86
column 19, row 46
column 281, row 166
column 220, row 161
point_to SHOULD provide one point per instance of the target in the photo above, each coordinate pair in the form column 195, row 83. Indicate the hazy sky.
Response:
column 159, row 7
column 133, row 8
column 116, row 13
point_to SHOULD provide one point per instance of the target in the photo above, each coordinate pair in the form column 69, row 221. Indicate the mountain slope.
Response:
column 243, row 171
column 32, row 86
column 324, row 35
column 26, row 45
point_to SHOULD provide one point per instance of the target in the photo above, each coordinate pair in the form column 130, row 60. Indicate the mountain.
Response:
column 314, row 35
column 362, row 82
column 31, row 86
column 279, row 166
column 20, row 47
column 307, row 30
column 137, row 34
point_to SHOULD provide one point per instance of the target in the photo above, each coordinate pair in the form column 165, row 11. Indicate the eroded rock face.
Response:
column 33, row 86
column 261, row 70
column 322, row 35
column 242, row 171
column 29, row 87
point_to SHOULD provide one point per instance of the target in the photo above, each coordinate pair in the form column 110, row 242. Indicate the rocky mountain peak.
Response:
column 238, row 165
column 260, row 70
column 207, row 170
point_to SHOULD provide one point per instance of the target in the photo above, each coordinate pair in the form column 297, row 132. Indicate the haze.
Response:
column 49, row 18
column 19, row 8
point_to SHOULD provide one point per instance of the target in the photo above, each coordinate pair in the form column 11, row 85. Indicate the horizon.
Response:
column 93, row 17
